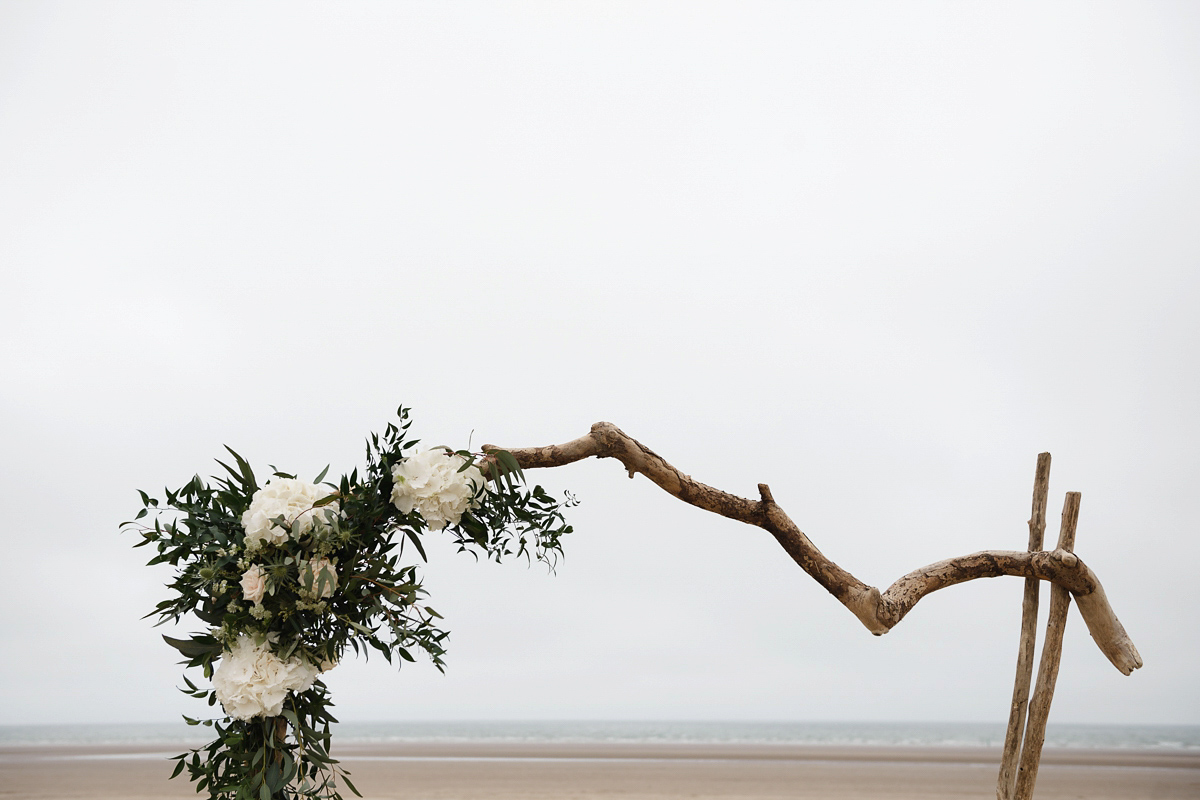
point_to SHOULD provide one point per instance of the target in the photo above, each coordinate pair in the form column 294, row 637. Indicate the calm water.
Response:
column 1170, row 737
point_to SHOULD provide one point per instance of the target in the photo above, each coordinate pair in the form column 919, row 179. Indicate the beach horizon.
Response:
column 490, row 770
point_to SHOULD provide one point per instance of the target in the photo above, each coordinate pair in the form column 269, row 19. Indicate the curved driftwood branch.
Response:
column 878, row 611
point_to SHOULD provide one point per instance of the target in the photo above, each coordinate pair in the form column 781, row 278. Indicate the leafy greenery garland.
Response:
column 376, row 602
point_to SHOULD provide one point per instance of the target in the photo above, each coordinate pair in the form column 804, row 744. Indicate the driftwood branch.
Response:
column 1043, row 693
column 878, row 611
column 1029, row 612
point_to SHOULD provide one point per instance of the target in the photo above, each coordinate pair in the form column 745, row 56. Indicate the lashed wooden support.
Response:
column 1043, row 693
column 1006, row 782
column 878, row 611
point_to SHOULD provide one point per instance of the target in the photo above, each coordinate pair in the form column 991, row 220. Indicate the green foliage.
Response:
column 375, row 603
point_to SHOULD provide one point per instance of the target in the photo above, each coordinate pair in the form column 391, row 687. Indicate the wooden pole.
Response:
column 1006, row 781
column 1043, row 693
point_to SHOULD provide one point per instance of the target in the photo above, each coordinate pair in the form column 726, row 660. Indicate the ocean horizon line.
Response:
column 658, row 732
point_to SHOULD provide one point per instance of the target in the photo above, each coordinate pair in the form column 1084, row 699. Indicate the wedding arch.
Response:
column 290, row 575
column 881, row 611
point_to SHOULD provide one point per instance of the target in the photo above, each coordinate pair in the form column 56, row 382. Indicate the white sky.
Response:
column 876, row 255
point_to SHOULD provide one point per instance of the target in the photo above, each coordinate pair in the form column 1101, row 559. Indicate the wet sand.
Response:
column 508, row 771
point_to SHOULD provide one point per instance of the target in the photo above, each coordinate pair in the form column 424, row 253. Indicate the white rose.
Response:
column 318, row 578
column 288, row 498
column 431, row 483
column 254, row 584
column 252, row 681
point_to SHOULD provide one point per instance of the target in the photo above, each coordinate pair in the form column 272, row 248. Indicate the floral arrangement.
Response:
column 290, row 575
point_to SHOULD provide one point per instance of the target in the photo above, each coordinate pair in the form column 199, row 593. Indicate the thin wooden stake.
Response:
column 1006, row 782
column 1043, row 693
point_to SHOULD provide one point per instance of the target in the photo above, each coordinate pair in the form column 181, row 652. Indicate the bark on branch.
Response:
column 878, row 611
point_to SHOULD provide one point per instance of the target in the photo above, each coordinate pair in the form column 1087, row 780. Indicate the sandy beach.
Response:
column 507, row 771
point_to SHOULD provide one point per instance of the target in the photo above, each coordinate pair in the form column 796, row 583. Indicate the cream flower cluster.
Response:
column 252, row 681
column 288, row 498
column 318, row 578
column 254, row 584
column 431, row 483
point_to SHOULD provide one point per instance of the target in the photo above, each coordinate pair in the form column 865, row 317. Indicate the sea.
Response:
column 915, row 734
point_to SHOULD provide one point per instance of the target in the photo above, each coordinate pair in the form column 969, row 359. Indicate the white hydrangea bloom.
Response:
column 252, row 681
column 431, row 483
column 311, row 574
column 288, row 498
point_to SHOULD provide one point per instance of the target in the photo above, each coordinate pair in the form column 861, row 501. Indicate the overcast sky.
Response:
column 878, row 256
